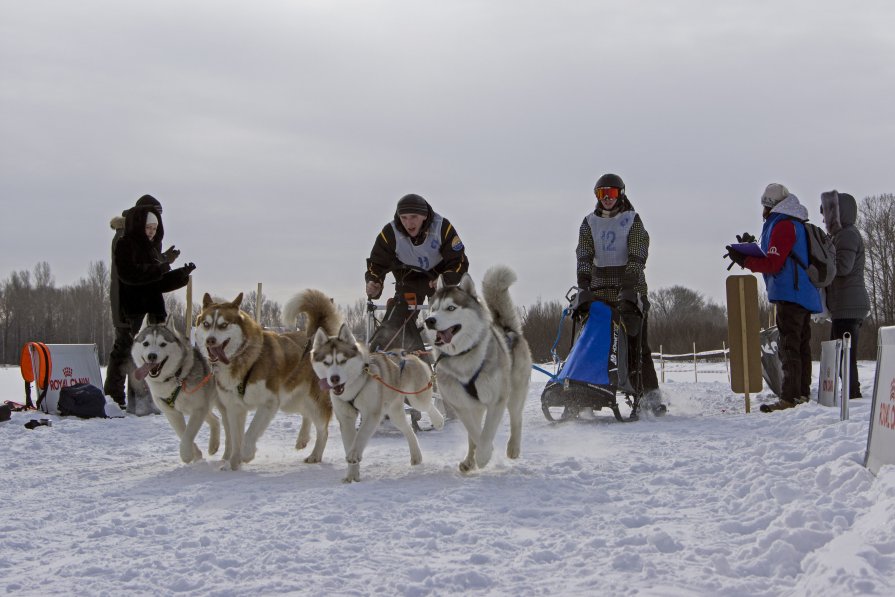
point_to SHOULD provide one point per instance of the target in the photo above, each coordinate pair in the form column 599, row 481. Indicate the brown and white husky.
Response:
column 260, row 370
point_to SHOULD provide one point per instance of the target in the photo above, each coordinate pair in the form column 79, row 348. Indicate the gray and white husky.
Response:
column 372, row 386
column 483, row 362
column 181, row 384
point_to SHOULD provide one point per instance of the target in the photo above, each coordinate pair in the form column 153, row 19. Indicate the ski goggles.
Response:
column 607, row 192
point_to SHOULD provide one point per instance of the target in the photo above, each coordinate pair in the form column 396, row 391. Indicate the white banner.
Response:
column 72, row 364
column 828, row 384
column 881, row 439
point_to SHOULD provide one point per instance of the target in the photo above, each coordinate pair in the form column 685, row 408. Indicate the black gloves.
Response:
column 189, row 267
column 735, row 256
column 745, row 238
column 171, row 254
column 581, row 302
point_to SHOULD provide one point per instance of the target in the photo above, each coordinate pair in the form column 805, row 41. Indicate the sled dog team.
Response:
column 482, row 361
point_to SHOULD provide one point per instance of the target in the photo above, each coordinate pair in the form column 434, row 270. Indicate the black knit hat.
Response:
column 412, row 204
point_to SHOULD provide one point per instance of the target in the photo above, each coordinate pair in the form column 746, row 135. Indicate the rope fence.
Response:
column 709, row 358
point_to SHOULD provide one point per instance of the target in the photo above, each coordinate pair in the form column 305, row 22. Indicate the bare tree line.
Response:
column 33, row 308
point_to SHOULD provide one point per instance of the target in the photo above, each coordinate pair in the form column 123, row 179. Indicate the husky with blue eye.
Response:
column 483, row 362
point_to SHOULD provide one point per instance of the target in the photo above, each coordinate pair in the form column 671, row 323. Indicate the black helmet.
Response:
column 611, row 180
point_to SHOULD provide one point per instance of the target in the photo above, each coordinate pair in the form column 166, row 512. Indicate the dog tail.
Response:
column 495, row 290
column 319, row 308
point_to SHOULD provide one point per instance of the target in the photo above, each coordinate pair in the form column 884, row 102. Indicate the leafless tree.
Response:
column 877, row 223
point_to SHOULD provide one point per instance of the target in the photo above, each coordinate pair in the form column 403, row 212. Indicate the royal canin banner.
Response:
column 72, row 364
column 881, row 439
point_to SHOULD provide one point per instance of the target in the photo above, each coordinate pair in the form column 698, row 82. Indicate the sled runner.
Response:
column 597, row 367
column 397, row 331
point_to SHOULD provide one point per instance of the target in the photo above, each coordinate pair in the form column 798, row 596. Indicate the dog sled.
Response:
column 600, row 365
column 394, row 328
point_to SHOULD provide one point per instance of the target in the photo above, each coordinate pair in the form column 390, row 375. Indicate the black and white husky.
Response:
column 483, row 362
column 181, row 384
column 372, row 386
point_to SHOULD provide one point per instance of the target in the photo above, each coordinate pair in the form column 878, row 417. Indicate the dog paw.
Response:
column 248, row 454
column 190, row 453
column 415, row 460
column 513, row 451
column 467, row 466
column 301, row 444
column 483, row 455
column 313, row 459
column 437, row 419
column 353, row 475
column 352, row 457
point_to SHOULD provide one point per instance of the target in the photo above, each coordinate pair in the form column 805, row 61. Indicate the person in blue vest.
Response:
column 788, row 287
column 416, row 246
column 613, row 246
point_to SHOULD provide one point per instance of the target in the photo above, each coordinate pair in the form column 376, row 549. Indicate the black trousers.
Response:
column 794, row 325
column 839, row 329
column 648, row 369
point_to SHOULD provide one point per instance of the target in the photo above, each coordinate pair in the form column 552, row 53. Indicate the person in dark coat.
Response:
column 141, row 274
column 613, row 246
column 789, row 288
column 417, row 246
column 847, row 298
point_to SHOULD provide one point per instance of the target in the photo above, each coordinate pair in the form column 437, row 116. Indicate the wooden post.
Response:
column 188, row 319
column 742, row 334
column 258, row 304
column 742, row 290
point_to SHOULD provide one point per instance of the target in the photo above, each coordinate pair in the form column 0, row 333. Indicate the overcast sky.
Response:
column 279, row 135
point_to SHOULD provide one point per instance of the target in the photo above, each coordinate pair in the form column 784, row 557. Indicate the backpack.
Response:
column 82, row 400
column 821, row 266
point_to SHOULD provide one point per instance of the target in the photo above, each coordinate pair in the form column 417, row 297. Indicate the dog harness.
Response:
column 510, row 336
column 368, row 371
column 182, row 386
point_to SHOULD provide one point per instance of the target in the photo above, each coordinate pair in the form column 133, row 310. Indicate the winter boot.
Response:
column 652, row 403
column 779, row 405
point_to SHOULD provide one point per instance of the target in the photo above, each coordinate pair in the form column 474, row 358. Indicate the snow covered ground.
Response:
column 705, row 501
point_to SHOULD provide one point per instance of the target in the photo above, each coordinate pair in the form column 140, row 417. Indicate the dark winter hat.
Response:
column 149, row 201
column 412, row 204
column 774, row 194
column 610, row 180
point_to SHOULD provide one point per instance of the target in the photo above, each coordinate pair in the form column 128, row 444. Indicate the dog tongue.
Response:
column 142, row 371
column 217, row 351
column 324, row 385
column 445, row 336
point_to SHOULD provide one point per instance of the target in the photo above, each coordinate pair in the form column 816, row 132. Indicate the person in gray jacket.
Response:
column 847, row 299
